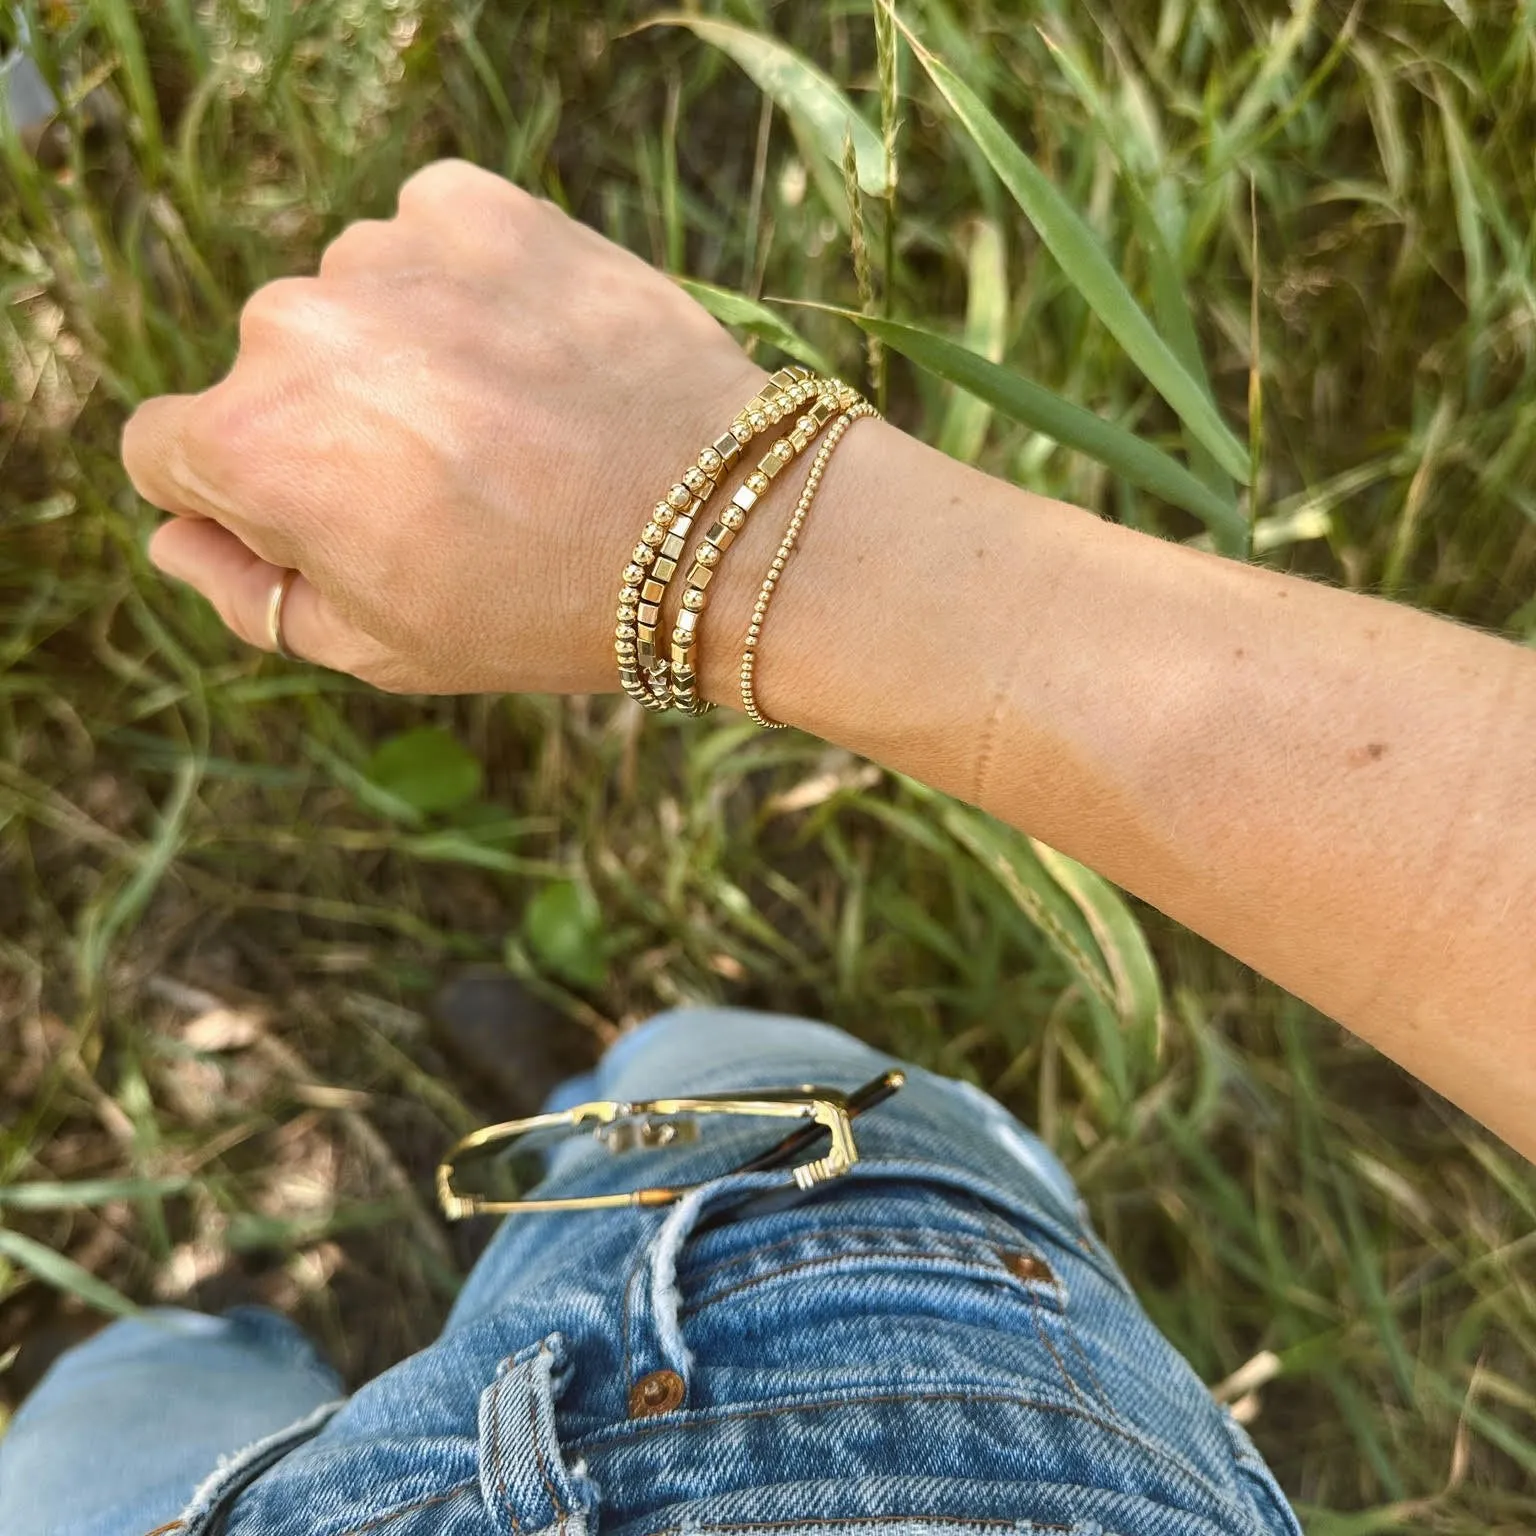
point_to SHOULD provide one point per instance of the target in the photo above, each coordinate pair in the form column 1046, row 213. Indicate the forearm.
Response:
column 1339, row 791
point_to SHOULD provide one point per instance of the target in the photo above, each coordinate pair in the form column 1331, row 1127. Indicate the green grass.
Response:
column 1325, row 214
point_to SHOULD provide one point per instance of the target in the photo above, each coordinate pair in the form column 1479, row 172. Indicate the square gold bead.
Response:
column 649, row 613
column 663, row 571
column 770, row 465
column 653, row 591
column 701, row 577
column 673, row 547
column 723, row 538
column 772, row 390
column 744, row 498
column 687, row 621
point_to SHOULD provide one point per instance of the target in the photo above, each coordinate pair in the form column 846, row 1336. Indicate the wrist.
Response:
column 829, row 600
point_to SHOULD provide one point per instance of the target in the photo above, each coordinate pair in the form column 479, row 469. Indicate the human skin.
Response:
column 456, row 430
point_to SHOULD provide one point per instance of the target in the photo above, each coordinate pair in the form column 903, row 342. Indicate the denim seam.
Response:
column 707, row 1419
column 497, row 1459
column 881, row 1520
column 538, row 1449
column 929, row 1234
column 1082, row 1355
column 408, row 1509
column 980, row 1271
column 1061, row 1365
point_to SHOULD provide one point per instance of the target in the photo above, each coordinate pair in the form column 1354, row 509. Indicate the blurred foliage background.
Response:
column 229, row 886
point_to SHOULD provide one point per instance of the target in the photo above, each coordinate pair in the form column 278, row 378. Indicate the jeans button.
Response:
column 1025, row 1266
column 660, row 1392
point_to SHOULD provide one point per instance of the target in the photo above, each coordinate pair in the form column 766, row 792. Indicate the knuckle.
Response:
column 448, row 184
column 360, row 246
column 276, row 308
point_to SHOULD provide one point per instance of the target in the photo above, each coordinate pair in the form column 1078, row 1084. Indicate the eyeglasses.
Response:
column 653, row 1125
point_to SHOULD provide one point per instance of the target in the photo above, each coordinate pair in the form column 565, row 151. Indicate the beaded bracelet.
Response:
column 834, row 436
column 655, row 558
column 685, row 692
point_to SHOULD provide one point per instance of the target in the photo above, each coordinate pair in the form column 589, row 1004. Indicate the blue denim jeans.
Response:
column 935, row 1343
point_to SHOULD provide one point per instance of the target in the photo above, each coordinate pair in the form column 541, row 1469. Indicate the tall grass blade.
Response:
column 1083, row 260
column 1138, row 988
column 63, row 1274
column 986, row 333
column 1013, row 862
column 801, row 90
column 736, row 309
column 53, row 1195
column 1068, row 424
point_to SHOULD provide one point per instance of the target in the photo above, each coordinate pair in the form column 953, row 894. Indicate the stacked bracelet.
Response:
column 855, row 412
column 685, row 694
column 642, row 671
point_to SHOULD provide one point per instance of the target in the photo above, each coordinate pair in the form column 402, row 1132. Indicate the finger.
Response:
column 154, row 454
column 240, row 585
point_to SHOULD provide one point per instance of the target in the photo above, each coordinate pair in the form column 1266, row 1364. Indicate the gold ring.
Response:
column 275, row 614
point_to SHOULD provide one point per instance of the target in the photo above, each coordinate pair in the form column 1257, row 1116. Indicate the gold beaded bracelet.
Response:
column 685, row 692
column 834, row 436
column 655, row 558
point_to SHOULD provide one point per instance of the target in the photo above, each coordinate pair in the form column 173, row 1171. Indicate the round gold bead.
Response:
column 682, row 637
column 629, row 594
column 663, row 515
column 693, row 600
column 643, row 555
column 741, row 430
column 634, row 574
column 624, row 632
column 654, row 536
column 626, row 614
column 710, row 462
column 757, row 482
column 805, row 425
column 732, row 517
column 678, row 497
column 751, row 640
column 784, row 450
column 708, row 555
column 695, row 479
column 757, row 420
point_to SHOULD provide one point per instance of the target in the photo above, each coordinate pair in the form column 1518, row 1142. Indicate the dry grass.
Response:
column 186, row 828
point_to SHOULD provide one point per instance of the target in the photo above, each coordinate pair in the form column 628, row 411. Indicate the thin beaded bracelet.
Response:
column 685, row 691
column 834, row 436
column 655, row 558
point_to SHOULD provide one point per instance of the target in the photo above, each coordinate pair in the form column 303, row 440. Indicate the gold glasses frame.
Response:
column 824, row 1111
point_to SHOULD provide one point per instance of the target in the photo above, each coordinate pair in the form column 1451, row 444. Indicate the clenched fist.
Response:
column 453, row 434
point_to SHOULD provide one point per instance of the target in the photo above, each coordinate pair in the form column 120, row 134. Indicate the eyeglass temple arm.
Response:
column 876, row 1091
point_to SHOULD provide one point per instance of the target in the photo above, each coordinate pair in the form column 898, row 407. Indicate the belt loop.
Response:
column 524, row 1479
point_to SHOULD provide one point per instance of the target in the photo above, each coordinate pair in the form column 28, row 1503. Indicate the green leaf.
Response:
column 564, row 929
column 797, row 87
column 52, row 1196
column 1071, row 425
column 986, row 332
column 732, row 308
column 427, row 769
column 1086, row 266
column 63, row 1274
column 1014, row 864
column 1138, row 988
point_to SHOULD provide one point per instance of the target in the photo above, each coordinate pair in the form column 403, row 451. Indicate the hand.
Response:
column 454, row 433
